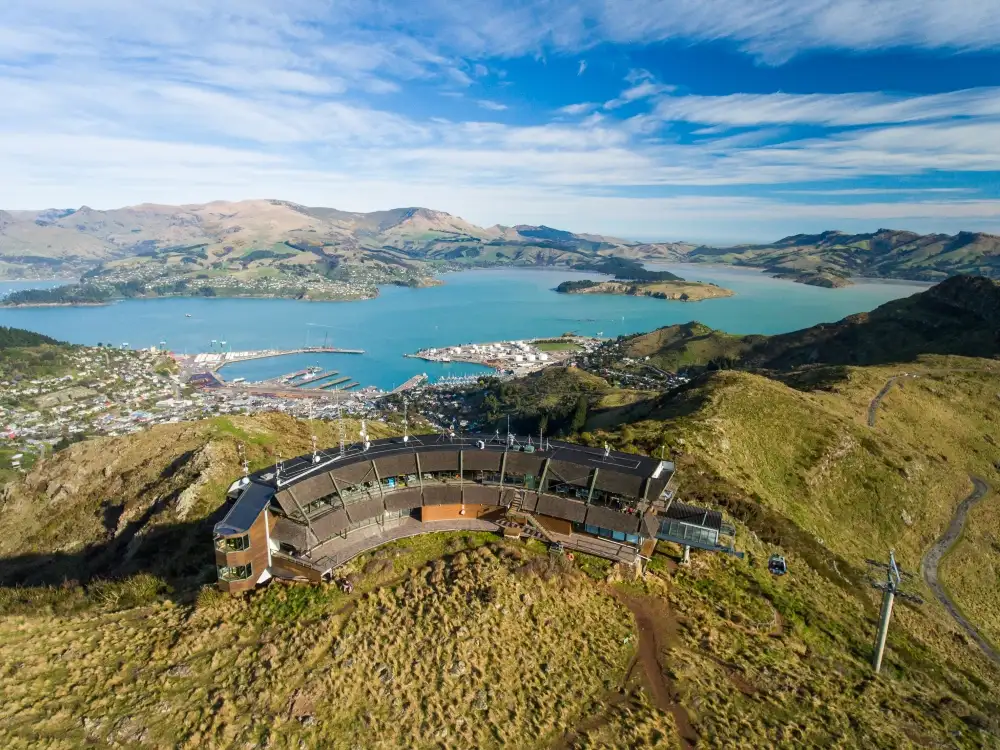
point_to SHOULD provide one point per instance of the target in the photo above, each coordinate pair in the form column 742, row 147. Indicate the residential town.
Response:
column 117, row 391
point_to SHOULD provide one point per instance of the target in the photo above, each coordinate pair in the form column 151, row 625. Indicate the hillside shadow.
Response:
column 180, row 554
column 815, row 378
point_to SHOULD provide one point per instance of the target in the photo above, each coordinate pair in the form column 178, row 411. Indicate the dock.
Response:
column 335, row 383
column 306, row 382
column 292, row 376
column 216, row 360
column 411, row 383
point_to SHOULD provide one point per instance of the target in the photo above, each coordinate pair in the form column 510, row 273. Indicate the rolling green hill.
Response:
column 828, row 259
column 959, row 316
column 689, row 346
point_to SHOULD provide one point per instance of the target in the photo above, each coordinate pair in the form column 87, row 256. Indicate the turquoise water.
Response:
column 472, row 306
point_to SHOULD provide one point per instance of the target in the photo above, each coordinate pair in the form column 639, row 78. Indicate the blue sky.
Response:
column 702, row 120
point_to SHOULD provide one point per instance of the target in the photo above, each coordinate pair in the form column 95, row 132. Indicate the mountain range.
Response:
column 69, row 242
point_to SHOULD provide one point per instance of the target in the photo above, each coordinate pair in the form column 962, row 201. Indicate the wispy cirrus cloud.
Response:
column 643, row 86
column 582, row 108
column 492, row 105
column 870, row 108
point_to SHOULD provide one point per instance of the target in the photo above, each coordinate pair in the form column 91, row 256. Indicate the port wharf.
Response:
column 521, row 356
column 217, row 360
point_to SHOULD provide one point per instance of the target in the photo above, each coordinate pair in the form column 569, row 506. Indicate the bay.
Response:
column 471, row 306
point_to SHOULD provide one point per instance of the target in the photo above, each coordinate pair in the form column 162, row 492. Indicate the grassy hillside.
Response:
column 461, row 640
column 958, row 316
column 687, row 346
column 556, row 400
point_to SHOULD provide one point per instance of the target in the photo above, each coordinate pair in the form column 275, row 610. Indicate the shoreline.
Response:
column 853, row 280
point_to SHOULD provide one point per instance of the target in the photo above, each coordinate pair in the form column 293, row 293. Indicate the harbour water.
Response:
column 471, row 306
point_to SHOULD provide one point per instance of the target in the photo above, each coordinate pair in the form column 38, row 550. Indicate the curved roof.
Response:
column 303, row 479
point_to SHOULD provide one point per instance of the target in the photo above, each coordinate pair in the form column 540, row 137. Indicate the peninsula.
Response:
column 680, row 290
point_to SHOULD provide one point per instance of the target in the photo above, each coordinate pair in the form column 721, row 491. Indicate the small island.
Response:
column 824, row 279
column 680, row 290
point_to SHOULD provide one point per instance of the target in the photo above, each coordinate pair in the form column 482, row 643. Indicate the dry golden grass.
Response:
column 468, row 651
column 784, row 663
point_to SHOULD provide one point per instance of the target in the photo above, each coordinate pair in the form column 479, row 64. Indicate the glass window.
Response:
column 591, row 529
column 632, row 538
column 235, row 572
column 618, row 536
column 233, row 543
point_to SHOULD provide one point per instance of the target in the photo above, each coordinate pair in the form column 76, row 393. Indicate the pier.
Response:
column 411, row 383
column 335, row 383
column 308, row 381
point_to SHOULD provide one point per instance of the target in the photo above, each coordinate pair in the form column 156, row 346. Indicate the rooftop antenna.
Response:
column 340, row 423
column 242, row 453
column 607, row 450
column 364, row 435
column 890, row 587
column 406, row 423
column 277, row 467
column 312, row 436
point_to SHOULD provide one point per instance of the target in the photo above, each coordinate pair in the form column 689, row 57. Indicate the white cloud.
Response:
column 744, row 110
column 875, row 191
column 578, row 109
column 491, row 105
column 582, row 67
column 643, row 86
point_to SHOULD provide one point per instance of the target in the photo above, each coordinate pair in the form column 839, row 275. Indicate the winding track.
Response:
column 929, row 565
column 877, row 401
column 932, row 558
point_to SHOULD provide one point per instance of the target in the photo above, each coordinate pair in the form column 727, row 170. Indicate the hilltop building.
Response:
column 308, row 516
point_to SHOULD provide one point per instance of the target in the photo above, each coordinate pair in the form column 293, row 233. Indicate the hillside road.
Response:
column 932, row 559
